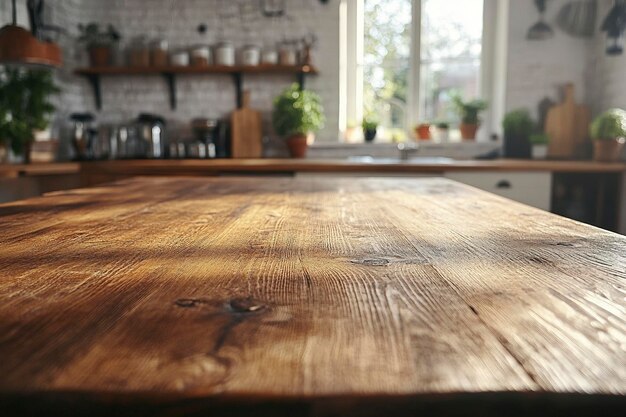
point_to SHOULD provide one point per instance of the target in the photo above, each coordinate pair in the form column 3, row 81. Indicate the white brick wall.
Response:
column 607, row 73
column 211, row 96
column 537, row 68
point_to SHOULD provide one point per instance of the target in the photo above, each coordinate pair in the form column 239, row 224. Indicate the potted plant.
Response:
column 422, row 131
column 469, row 111
column 370, row 128
column 99, row 43
column 608, row 132
column 24, row 107
column 518, row 126
column 539, row 143
column 443, row 131
column 297, row 113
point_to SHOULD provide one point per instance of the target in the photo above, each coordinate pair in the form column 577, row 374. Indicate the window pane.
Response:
column 387, row 49
column 450, row 56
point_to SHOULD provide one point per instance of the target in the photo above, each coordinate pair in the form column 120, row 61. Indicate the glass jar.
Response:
column 139, row 55
column 251, row 55
column 225, row 54
column 200, row 56
column 288, row 56
column 270, row 56
column 179, row 58
column 159, row 53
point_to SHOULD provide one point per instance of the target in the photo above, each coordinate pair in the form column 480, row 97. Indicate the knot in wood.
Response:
column 246, row 305
column 188, row 302
column 371, row 262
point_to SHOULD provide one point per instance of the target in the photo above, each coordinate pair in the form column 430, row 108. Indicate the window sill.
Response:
column 457, row 150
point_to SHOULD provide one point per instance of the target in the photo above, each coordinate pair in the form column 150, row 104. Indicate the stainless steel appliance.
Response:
column 83, row 135
column 151, row 132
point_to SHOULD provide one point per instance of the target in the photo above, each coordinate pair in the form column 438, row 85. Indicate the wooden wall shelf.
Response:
column 170, row 73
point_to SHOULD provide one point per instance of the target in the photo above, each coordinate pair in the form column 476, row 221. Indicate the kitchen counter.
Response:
column 213, row 167
column 37, row 169
column 284, row 297
column 320, row 166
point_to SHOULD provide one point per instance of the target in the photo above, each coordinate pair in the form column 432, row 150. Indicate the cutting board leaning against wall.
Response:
column 247, row 131
column 567, row 126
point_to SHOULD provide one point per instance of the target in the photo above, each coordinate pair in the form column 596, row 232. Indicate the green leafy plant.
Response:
column 518, row 123
column 297, row 112
column 369, row 124
column 92, row 36
column 469, row 111
column 443, row 125
column 610, row 125
column 24, row 105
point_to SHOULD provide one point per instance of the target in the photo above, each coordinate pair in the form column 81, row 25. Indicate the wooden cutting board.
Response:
column 567, row 125
column 246, row 131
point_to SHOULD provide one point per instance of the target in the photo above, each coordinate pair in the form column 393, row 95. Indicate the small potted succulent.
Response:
column 370, row 129
column 539, row 143
column 518, row 127
column 469, row 111
column 99, row 43
column 25, row 107
column 422, row 131
column 608, row 132
column 443, row 131
column 297, row 114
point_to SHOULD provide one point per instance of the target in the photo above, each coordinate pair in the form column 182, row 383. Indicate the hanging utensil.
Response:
column 541, row 30
column 273, row 8
column 578, row 18
column 614, row 25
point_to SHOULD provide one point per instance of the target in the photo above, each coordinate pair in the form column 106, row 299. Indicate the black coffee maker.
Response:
column 214, row 135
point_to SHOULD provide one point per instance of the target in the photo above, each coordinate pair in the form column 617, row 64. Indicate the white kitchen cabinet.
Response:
column 532, row 188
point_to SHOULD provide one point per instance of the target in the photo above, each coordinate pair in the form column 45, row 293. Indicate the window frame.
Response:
column 492, row 75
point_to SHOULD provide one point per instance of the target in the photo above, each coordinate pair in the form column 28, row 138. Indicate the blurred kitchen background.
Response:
column 380, row 82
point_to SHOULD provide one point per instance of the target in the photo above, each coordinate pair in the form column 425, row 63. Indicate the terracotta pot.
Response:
column 423, row 131
column 468, row 132
column 100, row 56
column 608, row 150
column 297, row 145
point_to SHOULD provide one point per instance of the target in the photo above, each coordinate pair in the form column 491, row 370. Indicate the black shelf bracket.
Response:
column 238, row 80
column 170, row 79
column 302, row 80
column 94, row 81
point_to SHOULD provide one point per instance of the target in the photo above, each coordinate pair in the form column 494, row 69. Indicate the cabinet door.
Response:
column 532, row 188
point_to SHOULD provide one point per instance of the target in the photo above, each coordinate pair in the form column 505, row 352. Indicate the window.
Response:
column 400, row 73
column 386, row 62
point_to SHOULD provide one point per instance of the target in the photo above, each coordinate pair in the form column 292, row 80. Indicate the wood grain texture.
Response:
column 309, row 297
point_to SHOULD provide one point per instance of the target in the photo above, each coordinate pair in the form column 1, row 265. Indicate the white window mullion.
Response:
column 494, row 63
column 413, row 99
column 353, row 74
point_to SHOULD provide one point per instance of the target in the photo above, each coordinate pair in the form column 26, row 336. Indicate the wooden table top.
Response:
column 279, row 296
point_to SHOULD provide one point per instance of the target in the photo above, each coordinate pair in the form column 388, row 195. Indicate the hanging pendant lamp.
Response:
column 20, row 47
